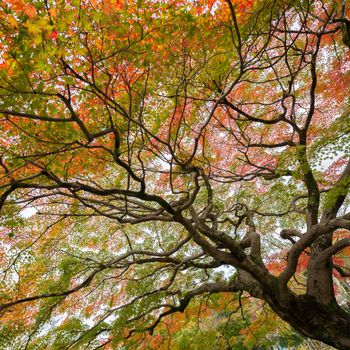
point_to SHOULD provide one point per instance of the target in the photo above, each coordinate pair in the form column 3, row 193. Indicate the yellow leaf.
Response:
column 12, row 21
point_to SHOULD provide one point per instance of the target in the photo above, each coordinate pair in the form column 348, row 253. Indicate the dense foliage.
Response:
column 159, row 157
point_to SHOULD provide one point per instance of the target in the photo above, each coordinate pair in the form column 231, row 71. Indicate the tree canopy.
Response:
column 162, row 159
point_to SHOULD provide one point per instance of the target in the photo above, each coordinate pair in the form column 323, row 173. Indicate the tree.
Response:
column 171, row 150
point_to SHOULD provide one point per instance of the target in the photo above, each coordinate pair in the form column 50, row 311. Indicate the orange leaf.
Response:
column 30, row 11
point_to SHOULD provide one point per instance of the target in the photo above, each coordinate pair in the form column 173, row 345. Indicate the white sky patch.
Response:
column 227, row 270
column 28, row 212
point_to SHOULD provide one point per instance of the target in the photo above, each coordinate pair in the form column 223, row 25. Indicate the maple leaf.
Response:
column 53, row 35
column 174, row 174
column 30, row 11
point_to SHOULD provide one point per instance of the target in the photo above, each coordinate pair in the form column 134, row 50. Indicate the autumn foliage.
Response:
column 173, row 173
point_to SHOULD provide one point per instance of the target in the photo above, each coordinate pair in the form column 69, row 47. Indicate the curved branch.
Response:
column 85, row 283
column 337, row 195
column 211, row 288
column 332, row 250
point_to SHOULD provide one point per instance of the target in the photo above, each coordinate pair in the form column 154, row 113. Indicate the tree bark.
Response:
column 327, row 323
column 319, row 281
